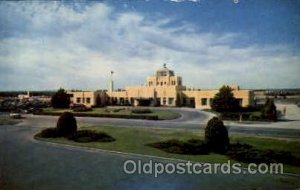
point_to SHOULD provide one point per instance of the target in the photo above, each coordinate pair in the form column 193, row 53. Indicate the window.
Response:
column 88, row 100
column 179, row 82
column 164, row 101
column 161, row 83
column 158, row 101
column 192, row 102
column 78, row 100
column 131, row 101
column 122, row 101
column 203, row 101
column 171, row 101
column 126, row 101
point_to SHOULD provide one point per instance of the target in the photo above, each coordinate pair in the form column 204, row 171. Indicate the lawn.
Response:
column 162, row 114
column 134, row 140
column 8, row 121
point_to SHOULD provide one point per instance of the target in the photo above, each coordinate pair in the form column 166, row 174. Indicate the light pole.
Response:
column 111, row 82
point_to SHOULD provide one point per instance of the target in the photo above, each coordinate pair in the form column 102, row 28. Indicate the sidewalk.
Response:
column 291, row 120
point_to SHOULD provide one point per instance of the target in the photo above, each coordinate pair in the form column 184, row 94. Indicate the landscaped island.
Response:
column 137, row 140
column 119, row 112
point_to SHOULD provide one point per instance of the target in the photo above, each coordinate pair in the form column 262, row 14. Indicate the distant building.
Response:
column 88, row 98
column 24, row 96
column 162, row 89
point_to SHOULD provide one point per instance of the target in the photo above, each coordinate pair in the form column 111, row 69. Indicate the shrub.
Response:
column 166, row 144
column 118, row 110
column 90, row 136
column 192, row 146
column 269, row 110
column 230, row 116
column 216, row 135
column 141, row 111
column 246, row 153
column 171, row 146
column 109, row 115
column 48, row 133
column 66, row 124
column 114, row 110
column 195, row 146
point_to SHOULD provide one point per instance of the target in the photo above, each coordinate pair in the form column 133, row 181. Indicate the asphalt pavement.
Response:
column 31, row 164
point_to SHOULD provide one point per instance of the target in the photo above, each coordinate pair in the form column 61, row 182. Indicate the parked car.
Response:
column 15, row 115
column 80, row 108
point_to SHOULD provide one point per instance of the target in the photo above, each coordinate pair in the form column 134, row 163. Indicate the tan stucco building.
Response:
column 162, row 89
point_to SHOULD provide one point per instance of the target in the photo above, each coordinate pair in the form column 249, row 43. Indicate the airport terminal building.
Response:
column 162, row 89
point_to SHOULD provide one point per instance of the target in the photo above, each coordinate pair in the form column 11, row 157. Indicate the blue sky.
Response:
column 75, row 44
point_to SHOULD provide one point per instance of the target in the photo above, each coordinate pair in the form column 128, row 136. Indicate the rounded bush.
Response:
column 66, row 124
column 216, row 135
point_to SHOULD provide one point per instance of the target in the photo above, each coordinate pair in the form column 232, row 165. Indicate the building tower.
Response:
column 111, row 82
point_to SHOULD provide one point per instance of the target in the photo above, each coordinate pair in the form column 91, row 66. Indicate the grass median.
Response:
column 135, row 140
column 115, row 112
column 8, row 121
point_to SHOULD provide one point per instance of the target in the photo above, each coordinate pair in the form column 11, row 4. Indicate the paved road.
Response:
column 31, row 164
column 191, row 119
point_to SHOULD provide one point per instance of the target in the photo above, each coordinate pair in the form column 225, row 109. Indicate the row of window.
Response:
column 204, row 101
column 84, row 100
column 165, row 83
column 164, row 101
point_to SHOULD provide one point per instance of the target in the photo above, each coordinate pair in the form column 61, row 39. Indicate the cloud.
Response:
column 47, row 45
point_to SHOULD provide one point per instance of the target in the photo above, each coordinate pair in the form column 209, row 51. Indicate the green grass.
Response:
column 8, row 121
column 162, row 114
column 292, row 146
column 134, row 140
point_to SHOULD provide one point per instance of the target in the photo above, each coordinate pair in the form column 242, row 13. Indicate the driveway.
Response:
column 31, row 164
column 191, row 119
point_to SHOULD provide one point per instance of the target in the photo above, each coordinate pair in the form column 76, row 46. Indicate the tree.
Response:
column 98, row 101
column 224, row 101
column 60, row 99
column 216, row 135
column 178, row 100
column 269, row 110
column 66, row 124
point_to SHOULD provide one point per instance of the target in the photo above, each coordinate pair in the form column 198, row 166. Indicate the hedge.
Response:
column 147, row 117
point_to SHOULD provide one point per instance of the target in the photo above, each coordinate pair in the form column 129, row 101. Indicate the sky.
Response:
column 46, row 45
